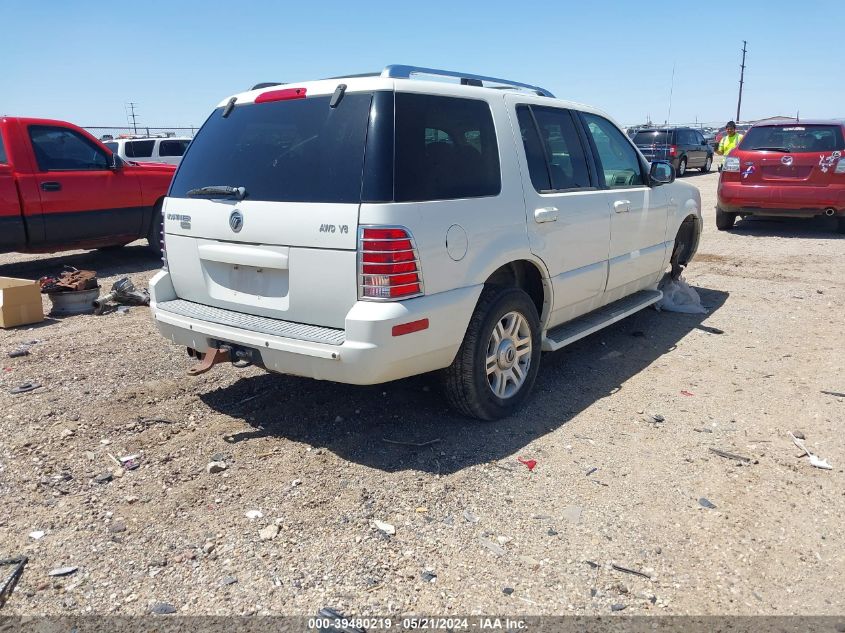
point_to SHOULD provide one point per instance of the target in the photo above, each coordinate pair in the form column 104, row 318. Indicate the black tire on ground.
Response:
column 466, row 380
column 684, row 243
column 707, row 165
column 724, row 221
column 155, row 236
column 682, row 167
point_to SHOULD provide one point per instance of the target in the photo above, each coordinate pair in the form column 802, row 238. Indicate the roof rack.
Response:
column 399, row 71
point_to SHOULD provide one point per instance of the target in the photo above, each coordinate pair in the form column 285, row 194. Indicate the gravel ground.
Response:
column 476, row 531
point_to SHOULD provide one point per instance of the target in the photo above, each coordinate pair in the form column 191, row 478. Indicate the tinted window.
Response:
column 172, row 148
column 795, row 138
column 59, row 148
column 652, row 138
column 560, row 148
column 618, row 160
column 112, row 146
column 139, row 149
column 3, row 158
column 299, row 151
column 445, row 148
column 537, row 166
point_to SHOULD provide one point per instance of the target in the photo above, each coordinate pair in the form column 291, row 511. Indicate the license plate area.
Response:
column 254, row 286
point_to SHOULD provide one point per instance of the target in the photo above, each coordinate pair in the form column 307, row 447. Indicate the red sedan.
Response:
column 794, row 169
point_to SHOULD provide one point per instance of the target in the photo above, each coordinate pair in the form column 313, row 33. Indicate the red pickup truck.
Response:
column 61, row 189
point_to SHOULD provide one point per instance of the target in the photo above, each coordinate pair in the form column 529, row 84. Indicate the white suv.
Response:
column 369, row 228
column 158, row 149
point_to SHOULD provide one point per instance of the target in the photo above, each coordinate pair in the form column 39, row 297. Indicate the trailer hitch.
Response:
column 212, row 357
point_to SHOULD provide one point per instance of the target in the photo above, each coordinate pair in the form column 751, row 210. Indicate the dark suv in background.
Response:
column 682, row 146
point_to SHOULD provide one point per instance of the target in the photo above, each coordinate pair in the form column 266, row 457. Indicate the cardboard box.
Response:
column 20, row 302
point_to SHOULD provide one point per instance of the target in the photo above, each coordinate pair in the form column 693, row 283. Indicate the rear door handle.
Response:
column 51, row 186
column 622, row 206
column 545, row 214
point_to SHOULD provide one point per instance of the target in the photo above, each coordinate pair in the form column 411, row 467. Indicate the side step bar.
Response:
column 594, row 321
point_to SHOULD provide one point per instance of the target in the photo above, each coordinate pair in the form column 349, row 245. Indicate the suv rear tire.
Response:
column 498, row 361
column 154, row 237
column 724, row 221
column 682, row 167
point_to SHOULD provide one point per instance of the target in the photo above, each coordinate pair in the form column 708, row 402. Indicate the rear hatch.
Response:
column 654, row 144
column 790, row 155
column 283, row 244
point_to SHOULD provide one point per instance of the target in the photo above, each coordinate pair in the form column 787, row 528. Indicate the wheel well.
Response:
column 686, row 239
column 521, row 274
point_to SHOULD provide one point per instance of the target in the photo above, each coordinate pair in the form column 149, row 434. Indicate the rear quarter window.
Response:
column 139, row 149
column 445, row 148
column 172, row 148
column 3, row 158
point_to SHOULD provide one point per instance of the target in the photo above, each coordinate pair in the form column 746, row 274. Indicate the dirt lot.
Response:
column 475, row 530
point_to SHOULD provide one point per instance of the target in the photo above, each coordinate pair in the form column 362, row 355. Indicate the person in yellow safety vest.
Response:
column 730, row 139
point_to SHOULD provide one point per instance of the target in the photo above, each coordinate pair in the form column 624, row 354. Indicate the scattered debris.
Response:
column 507, row 591
column 228, row 580
column 62, row 571
column 117, row 527
column 734, row 456
column 212, row 468
column 654, row 418
column 703, row 430
column 704, row 502
column 684, row 392
column 627, row 570
column 253, row 514
column 799, row 435
column 103, row 478
column 591, row 471
column 70, row 280
column 414, row 444
column 552, row 532
column 130, row 462
column 21, row 351
column 123, row 292
column 678, row 296
column 25, row 387
column 162, row 608
column 618, row 607
column 421, row 510
column 428, row 576
column 815, row 460
column 530, row 464
column 709, row 329
column 37, row 535
column 11, row 581
column 269, row 533
column 592, row 564
column 497, row 549
column 572, row 514
column 469, row 516
column 838, row 394
column 384, row 527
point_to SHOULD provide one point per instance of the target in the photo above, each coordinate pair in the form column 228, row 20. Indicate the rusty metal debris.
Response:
column 122, row 292
column 7, row 585
column 71, row 280
column 213, row 356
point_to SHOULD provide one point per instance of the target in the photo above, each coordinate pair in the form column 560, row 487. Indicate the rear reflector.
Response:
column 409, row 328
column 281, row 95
column 389, row 264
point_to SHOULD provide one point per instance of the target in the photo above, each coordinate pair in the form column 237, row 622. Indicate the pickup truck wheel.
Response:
column 707, row 165
column 497, row 363
column 724, row 221
column 682, row 167
column 155, row 236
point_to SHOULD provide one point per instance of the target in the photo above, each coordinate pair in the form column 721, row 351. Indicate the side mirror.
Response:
column 116, row 162
column 661, row 173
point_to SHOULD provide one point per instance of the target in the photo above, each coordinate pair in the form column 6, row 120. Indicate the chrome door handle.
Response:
column 545, row 214
column 622, row 206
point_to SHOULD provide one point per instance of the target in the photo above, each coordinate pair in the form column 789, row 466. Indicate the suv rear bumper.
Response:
column 794, row 200
column 365, row 353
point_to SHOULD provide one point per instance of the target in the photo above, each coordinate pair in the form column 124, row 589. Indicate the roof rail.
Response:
column 399, row 71
column 266, row 84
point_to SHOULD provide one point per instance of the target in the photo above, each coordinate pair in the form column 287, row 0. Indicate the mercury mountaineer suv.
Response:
column 369, row 228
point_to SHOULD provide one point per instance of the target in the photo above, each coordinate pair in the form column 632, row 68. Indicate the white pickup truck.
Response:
column 369, row 228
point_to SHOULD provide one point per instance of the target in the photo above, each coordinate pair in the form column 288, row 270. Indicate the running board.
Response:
column 594, row 321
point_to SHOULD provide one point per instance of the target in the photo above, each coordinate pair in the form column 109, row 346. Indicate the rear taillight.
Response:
column 673, row 150
column 389, row 267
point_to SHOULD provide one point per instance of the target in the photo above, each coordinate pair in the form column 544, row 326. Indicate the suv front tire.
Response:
column 498, row 361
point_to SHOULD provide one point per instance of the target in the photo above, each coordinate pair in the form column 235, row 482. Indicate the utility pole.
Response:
column 132, row 116
column 741, row 78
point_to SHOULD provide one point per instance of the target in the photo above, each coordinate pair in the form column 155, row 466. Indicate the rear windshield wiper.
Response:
column 771, row 149
column 219, row 191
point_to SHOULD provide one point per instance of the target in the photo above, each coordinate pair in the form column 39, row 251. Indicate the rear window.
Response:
column 3, row 158
column 139, row 149
column 284, row 151
column 652, row 138
column 111, row 146
column 445, row 149
column 172, row 148
column 794, row 138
